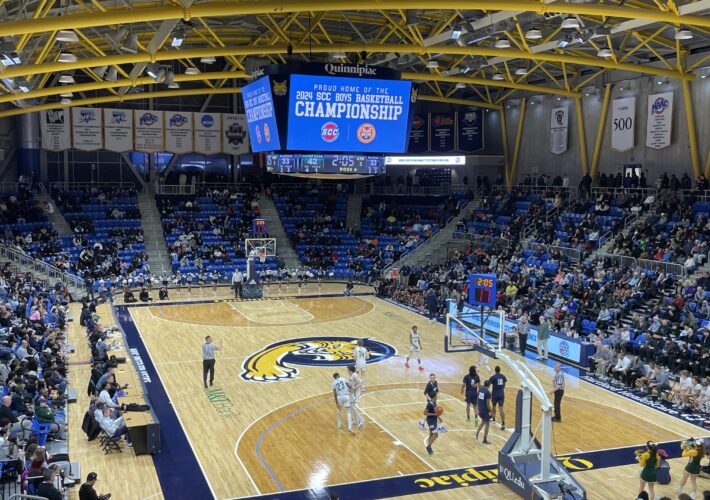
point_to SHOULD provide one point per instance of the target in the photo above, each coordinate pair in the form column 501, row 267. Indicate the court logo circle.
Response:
column 276, row 361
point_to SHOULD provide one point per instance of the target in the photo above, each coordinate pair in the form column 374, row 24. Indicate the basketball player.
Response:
column 415, row 345
column 342, row 399
column 361, row 357
column 498, row 382
column 484, row 410
column 471, row 384
column 431, row 386
column 432, row 421
column 355, row 386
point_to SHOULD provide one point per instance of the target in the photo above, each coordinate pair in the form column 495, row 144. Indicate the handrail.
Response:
column 572, row 253
column 667, row 267
column 604, row 238
column 67, row 186
column 622, row 260
column 403, row 190
column 38, row 266
column 491, row 239
column 172, row 189
column 242, row 186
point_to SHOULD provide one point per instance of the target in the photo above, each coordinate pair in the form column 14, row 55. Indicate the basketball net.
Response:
column 261, row 253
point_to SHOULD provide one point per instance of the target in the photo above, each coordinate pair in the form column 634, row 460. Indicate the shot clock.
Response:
column 482, row 290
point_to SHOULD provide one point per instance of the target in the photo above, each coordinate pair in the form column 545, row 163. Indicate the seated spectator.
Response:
column 87, row 491
column 48, row 489
column 113, row 427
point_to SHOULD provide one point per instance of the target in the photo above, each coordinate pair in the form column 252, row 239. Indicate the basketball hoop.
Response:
column 261, row 253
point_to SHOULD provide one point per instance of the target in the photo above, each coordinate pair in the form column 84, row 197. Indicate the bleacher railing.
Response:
column 569, row 252
column 83, row 186
column 52, row 273
column 619, row 260
column 482, row 237
column 401, row 189
column 173, row 189
column 666, row 267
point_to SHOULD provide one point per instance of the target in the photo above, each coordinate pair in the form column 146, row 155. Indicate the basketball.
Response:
column 438, row 410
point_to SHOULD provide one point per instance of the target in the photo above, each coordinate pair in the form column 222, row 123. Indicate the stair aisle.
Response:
column 284, row 249
column 354, row 216
column 153, row 235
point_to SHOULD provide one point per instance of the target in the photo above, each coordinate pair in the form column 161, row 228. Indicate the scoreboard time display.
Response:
column 482, row 290
column 326, row 164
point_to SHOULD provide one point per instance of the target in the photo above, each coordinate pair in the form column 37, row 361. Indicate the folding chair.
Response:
column 109, row 443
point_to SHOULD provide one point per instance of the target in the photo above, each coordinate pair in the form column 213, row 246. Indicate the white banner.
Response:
column 623, row 123
column 149, row 131
column 118, row 130
column 178, row 132
column 559, row 119
column 660, row 118
column 86, row 129
column 208, row 132
column 235, row 139
column 56, row 135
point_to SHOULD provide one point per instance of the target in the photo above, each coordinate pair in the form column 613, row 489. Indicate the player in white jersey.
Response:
column 341, row 393
column 355, row 386
column 415, row 346
column 361, row 357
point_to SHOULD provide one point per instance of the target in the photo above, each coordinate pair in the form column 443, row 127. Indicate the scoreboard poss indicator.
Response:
column 482, row 290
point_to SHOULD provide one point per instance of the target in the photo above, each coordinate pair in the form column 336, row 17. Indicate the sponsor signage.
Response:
column 328, row 113
column 118, row 130
column 660, row 120
column 623, row 124
column 86, row 129
column 261, row 115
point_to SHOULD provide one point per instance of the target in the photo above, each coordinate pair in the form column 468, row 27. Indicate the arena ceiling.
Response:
column 473, row 52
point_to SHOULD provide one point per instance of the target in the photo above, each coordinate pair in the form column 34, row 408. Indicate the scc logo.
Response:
column 258, row 134
column 207, row 121
column 564, row 348
column 366, row 133
column 329, row 132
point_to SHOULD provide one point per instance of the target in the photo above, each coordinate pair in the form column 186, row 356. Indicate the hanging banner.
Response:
column 235, row 139
column 149, row 131
column 118, row 130
column 623, row 123
column 178, row 132
column 660, row 119
column 559, row 119
column 419, row 134
column 442, row 132
column 208, row 133
column 86, row 129
column 469, row 125
column 56, row 135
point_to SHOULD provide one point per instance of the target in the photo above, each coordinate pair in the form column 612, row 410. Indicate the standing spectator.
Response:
column 543, row 335
column 523, row 331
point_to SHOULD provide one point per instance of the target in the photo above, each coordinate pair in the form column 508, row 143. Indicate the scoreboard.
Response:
column 482, row 290
column 325, row 164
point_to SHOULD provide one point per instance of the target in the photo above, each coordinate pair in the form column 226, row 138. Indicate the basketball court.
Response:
column 269, row 422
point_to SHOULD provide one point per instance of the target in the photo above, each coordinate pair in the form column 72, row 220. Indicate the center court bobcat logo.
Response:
column 274, row 362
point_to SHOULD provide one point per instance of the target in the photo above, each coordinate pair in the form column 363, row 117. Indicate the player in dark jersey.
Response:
column 431, row 386
column 469, row 389
column 498, row 382
column 484, row 410
column 432, row 421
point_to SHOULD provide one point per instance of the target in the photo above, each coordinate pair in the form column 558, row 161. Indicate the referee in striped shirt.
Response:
column 558, row 390
column 208, row 349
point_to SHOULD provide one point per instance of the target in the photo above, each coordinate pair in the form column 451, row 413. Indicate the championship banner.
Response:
column 54, row 124
column 442, row 132
column 86, row 129
column 178, row 132
column 149, row 131
column 559, row 120
column 623, row 123
column 660, row 119
column 118, row 130
column 208, row 133
column 235, row 138
column 419, row 134
column 469, row 128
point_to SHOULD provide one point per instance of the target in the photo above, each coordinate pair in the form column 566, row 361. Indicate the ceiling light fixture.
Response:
column 178, row 36
column 67, row 94
column 100, row 71
column 65, row 101
column 130, row 45
column 502, row 43
column 432, row 64
column 533, row 34
column 207, row 60
column 66, row 79
column 155, row 71
column 683, row 34
column 112, row 74
column 521, row 71
column 498, row 76
column 10, row 59
column 570, row 23
column 460, row 85
column 192, row 71
column 67, row 57
column 116, row 38
column 604, row 52
column 67, row 36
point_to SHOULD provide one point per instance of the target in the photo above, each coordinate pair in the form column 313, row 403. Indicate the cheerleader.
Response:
column 149, row 282
column 320, row 278
column 215, row 280
column 695, row 451
column 164, row 281
column 178, row 281
column 190, row 278
column 201, row 280
column 649, row 460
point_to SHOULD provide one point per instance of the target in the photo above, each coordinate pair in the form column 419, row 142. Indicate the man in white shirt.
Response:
column 114, row 427
column 237, row 280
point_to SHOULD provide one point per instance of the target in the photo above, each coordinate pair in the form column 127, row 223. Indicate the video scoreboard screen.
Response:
column 325, row 164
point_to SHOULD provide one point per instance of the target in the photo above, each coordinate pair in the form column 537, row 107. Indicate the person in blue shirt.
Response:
column 484, row 411
column 471, row 383
column 498, row 382
column 432, row 421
